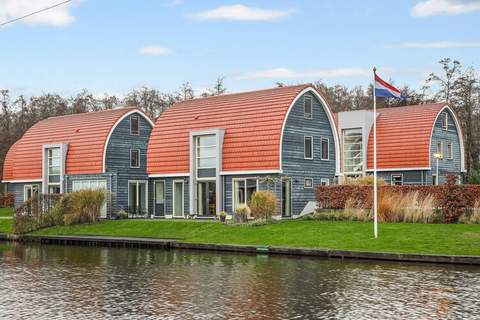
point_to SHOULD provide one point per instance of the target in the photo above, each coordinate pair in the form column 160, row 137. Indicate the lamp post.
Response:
column 437, row 156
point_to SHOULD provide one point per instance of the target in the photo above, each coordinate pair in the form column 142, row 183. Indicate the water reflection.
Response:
column 55, row 282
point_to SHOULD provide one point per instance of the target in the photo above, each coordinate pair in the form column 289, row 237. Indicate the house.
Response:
column 410, row 141
column 96, row 150
column 211, row 154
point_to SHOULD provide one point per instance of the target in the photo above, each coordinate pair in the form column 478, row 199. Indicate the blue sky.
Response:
column 116, row 45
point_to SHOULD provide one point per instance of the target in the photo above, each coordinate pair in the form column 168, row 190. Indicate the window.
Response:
column 396, row 180
column 434, row 179
column 137, row 197
column 325, row 149
column 307, row 107
column 308, row 148
column 325, row 182
column 440, row 148
column 178, row 198
column 134, row 158
column 352, row 151
column 243, row 190
column 308, row 183
column 159, row 192
column 53, row 169
column 206, row 156
column 134, row 125
column 30, row 191
column 445, row 121
column 450, row 151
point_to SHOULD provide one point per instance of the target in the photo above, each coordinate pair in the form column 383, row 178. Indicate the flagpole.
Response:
column 375, row 193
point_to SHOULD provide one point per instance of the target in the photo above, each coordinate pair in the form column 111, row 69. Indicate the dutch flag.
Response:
column 384, row 89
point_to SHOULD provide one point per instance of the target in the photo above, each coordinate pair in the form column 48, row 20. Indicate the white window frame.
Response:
column 434, row 177
column 362, row 152
column 138, row 125
column 137, row 182
column 322, row 139
column 396, row 175
column 324, row 181
column 198, row 157
column 245, row 186
column 182, row 214
column 155, row 196
column 440, row 143
column 305, row 147
column 450, row 151
column 29, row 186
column 445, row 121
column 131, row 151
column 305, row 183
column 305, row 98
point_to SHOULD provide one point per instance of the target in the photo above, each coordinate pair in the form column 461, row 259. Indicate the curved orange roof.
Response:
column 86, row 135
column 253, row 122
column 403, row 136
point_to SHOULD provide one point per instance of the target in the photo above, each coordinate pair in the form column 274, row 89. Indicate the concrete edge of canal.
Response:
column 249, row 249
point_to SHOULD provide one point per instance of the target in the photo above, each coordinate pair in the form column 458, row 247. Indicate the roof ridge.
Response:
column 91, row 112
column 245, row 92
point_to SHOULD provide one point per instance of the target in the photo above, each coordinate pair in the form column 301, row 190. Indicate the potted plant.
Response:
column 222, row 216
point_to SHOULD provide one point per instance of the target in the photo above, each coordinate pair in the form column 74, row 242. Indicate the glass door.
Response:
column 159, row 198
column 137, row 198
column 178, row 200
column 206, row 198
column 287, row 198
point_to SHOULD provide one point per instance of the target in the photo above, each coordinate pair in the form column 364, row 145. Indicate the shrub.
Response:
column 363, row 181
column 241, row 214
column 451, row 200
column 263, row 204
column 83, row 206
column 473, row 177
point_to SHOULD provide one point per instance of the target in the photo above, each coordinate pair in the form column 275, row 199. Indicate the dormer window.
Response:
column 134, row 127
column 445, row 121
column 307, row 107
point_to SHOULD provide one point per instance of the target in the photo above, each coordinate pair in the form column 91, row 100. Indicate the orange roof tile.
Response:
column 252, row 121
column 85, row 134
column 403, row 136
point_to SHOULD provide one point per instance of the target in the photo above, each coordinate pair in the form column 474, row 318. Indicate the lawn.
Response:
column 6, row 212
column 457, row 239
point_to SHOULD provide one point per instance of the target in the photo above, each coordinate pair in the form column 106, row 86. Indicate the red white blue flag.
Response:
column 385, row 89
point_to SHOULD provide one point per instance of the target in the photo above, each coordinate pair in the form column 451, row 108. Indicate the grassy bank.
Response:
column 6, row 212
column 454, row 239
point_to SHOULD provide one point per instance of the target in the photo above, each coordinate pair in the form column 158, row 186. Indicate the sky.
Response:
column 113, row 46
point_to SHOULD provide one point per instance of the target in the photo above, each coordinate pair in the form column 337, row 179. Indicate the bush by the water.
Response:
column 408, row 203
column 241, row 214
column 263, row 205
column 73, row 208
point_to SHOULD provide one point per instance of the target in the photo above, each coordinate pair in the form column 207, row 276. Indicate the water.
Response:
column 56, row 282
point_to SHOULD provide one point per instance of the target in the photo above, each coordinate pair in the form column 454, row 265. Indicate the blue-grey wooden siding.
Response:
column 169, row 193
column 293, row 163
column 18, row 190
column 118, row 158
column 273, row 185
column 414, row 177
column 445, row 165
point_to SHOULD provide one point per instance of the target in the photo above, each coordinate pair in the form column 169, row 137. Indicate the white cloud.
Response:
column 155, row 51
column 435, row 45
column 284, row 73
column 427, row 8
column 239, row 12
column 58, row 16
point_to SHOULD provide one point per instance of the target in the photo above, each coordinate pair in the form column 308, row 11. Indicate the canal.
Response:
column 59, row 282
